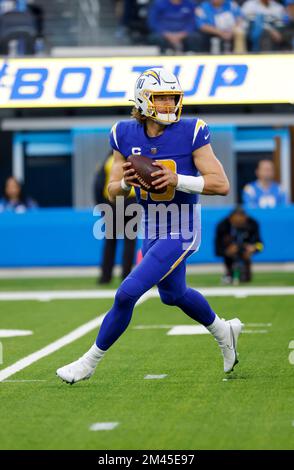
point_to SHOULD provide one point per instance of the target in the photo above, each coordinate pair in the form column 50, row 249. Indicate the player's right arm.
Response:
column 121, row 177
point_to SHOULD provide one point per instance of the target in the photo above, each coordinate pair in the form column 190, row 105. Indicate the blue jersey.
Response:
column 254, row 195
column 223, row 17
column 174, row 148
column 19, row 206
column 167, row 16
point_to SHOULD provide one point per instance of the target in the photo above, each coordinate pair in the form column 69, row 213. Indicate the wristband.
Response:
column 190, row 184
column 124, row 185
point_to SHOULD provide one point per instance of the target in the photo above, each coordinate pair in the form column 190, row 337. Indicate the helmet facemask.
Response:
column 172, row 114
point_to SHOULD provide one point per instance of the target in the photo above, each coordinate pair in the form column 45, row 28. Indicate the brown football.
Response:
column 143, row 168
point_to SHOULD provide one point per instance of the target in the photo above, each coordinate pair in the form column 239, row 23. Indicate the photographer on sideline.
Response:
column 237, row 240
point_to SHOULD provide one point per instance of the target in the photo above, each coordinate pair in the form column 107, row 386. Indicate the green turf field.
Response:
column 191, row 408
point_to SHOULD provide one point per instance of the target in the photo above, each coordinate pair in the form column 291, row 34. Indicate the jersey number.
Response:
column 169, row 194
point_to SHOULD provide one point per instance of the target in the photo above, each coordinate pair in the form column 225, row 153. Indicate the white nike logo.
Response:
column 206, row 136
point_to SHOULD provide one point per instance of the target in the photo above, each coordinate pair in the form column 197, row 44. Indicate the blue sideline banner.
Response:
column 64, row 237
column 86, row 82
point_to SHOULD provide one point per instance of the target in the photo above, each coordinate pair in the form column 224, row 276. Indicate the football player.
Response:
column 185, row 167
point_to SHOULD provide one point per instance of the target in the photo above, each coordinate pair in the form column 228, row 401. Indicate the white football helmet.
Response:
column 158, row 81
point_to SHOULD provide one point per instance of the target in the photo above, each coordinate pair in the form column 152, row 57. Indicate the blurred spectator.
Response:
column 289, row 29
column 221, row 25
column 21, row 27
column 289, row 4
column 264, row 192
column 101, row 197
column 132, row 20
column 14, row 199
column 123, row 13
column 266, row 22
column 6, row 5
column 237, row 239
column 38, row 14
column 172, row 25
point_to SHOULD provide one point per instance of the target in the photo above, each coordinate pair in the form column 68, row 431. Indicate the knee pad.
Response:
column 123, row 300
column 168, row 297
column 130, row 291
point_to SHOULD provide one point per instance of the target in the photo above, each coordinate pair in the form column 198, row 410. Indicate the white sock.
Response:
column 218, row 328
column 94, row 355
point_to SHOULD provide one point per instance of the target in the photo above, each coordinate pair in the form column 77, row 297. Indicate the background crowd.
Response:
column 174, row 26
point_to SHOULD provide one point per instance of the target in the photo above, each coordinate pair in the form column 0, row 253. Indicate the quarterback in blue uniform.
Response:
column 187, row 168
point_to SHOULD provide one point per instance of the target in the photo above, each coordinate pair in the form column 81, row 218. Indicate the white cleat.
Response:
column 229, row 344
column 75, row 371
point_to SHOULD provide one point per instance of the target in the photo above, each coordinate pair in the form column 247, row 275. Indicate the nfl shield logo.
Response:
column 154, row 150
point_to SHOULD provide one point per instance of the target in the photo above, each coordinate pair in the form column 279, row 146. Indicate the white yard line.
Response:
column 245, row 291
column 56, row 345
column 155, row 377
column 180, row 330
column 56, row 295
column 13, row 333
column 86, row 271
column 103, row 426
column 291, row 355
column 259, row 332
column 200, row 329
column 168, row 327
column 110, row 293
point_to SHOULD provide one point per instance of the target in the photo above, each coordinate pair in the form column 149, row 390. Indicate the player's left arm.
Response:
column 212, row 171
